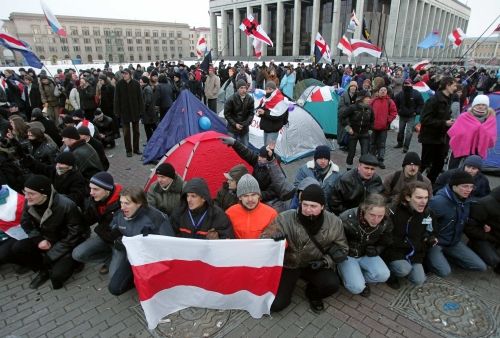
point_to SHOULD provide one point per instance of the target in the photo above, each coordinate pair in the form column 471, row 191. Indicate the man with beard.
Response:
column 250, row 217
column 316, row 243
column 395, row 182
column 409, row 103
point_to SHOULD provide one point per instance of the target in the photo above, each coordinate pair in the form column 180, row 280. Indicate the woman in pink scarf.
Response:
column 474, row 132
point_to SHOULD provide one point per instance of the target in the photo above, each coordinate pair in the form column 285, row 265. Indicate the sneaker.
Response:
column 381, row 165
column 393, row 282
column 39, row 280
column 317, row 306
column 397, row 146
column 366, row 292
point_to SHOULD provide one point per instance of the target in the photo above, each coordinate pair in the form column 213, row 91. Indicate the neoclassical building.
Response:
column 397, row 26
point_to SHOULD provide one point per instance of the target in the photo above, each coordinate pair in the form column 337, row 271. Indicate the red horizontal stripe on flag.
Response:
column 154, row 277
column 365, row 45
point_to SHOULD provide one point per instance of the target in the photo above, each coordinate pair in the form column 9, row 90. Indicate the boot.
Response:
column 399, row 145
column 366, row 291
column 40, row 279
column 393, row 282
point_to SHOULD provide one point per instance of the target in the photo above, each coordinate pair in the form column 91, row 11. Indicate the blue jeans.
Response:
column 488, row 251
column 244, row 139
column 459, row 253
column 356, row 272
column 414, row 272
column 270, row 138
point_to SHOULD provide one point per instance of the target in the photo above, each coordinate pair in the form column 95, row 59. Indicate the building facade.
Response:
column 397, row 26
column 92, row 40
column 485, row 51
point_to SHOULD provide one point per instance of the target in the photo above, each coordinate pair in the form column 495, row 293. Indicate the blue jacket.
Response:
column 308, row 170
column 451, row 214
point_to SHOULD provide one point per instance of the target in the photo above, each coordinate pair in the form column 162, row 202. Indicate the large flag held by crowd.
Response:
column 253, row 29
column 361, row 46
column 171, row 274
column 456, row 37
column 321, row 50
column 14, row 44
column 52, row 21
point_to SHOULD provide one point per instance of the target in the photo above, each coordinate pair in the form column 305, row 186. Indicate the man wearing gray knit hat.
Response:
column 249, row 210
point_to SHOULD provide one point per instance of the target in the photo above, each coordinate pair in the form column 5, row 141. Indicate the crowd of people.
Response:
column 342, row 223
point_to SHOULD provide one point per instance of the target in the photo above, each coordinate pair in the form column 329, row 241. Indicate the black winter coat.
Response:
column 437, row 110
column 146, row 219
column 359, row 117
column 481, row 183
column 128, row 101
column 165, row 93
column 105, row 127
column 87, row 98
column 107, row 99
column 99, row 149
column 51, row 130
column 239, row 111
column 411, row 107
column 226, row 198
column 45, row 152
column 485, row 211
column 148, row 113
column 86, row 159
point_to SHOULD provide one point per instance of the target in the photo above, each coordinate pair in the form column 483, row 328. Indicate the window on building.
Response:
column 130, row 41
column 97, row 41
column 85, row 31
column 137, row 32
column 100, row 57
column 118, row 32
column 140, row 58
column 120, row 49
column 155, row 34
column 163, row 34
column 76, row 48
column 164, row 42
column 146, row 34
column 149, row 57
column 165, row 56
column 128, row 32
column 108, row 41
column 173, row 56
column 73, row 30
column 39, row 49
column 170, row 34
column 86, row 40
column 119, row 42
column 148, row 49
column 110, row 57
column 88, row 48
column 107, row 32
column 179, row 34
column 147, row 41
column 52, row 40
column 35, row 29
column 130, row 48
column 156, row 42
column 139, row 41
column 52, row 49
column 131, row 58
column 156, row 48
column 157, row 57
column 180, row 55
column 75, row 40
column 172, row 42
column 64, row 48
column 164, row 48
column 37, row 40
column 98, row 49
column 139, row 48
column 96, row 31
column 172, row 48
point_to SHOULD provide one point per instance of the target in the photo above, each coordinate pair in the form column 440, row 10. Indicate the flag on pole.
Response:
column 252, row 28
column 11, row 212
column 431, row 40
column 366, row 33
column 321, row 49
column 201, row 47
column 171, row 274
column 457, row 37
column 345, row 46
column 421, row 65
column 52, row 20
column 353, row 22
column 361, row 46
column 207, row 60
column 257, row 48
column 10, row 42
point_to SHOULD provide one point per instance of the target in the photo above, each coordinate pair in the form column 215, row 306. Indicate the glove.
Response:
column 430, row 240
column 371, row 251
column 228, row 140
column 319, row 264
column 118, row 245
column 145, row 231
column 279, row 236
column 337, row 254
column 212, row 234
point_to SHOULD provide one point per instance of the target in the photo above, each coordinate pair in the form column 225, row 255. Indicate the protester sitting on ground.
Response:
column 396, row 181
column 321, row 168
column 451, row 206
column 412, row 234
column 136, row 217
column 99, row 208
column 49, row 125
column 316, row 243
column 473, row 166
column 483, row 229
column 250, row 216
column 96, row 144
column 197, row 216
column 106, row 128
column 43, row 148
column 226, row 196
column 368, row 232
column 81, row 121
column 165, row 193
column 54, row 225
column 353, row 186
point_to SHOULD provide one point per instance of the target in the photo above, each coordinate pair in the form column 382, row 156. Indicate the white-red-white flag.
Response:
column 277, row 103
column 252, row 28
column 11, row 212
column 201, row 47
column 361, row 46
column 257, row 48
column 320, row 94
column 421, row 65
column 456, row 37
column 345, row 46
column 171, row 274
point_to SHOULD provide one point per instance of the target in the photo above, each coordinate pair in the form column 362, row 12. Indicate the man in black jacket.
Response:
column 238, row 112
column 435, row 122
column 54, row 225
column 96, row 144
column 409, row 103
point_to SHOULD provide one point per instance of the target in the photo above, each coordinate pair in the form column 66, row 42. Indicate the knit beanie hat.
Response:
column 78, row 114
column 412, row 158
column 263, row 151
column 66, row 157
column 70, row 132
column 68, row 119
column 270, row 85
column 461, row 177
column 39, row 183
column 247, row 185
column 481, row 99
column 166, row 169
column 84, row 131
column 103, row 180
column 313, row 193
column 241, row 83
column 322, row 152
column 474, row 161
column 236, row 172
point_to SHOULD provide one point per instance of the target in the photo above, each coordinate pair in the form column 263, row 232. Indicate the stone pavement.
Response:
column 464, row 305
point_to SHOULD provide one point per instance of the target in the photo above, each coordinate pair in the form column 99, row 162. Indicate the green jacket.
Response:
column 166, row 200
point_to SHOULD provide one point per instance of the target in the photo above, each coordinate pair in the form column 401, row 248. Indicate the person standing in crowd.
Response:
column 49, row 100
column 451, row 206
column 287, row 82
column 165, row 94
column 412, row 234
column 106, row 106
column 239, row 112
column 409, row 103
column 385, row 111
column 315, row 244
column 474, row 132
column 49, row 126
column 128, row 106
column 273, row 113
column 149, row 118
column 435, row 121
column 395, row 182
column 348, row 98
column 212, row 87
column 250, row 216
column 226, row 196
column 87, row 98
column 368, row 231
column 32, row 95
column 54, row 225
column 165, row 193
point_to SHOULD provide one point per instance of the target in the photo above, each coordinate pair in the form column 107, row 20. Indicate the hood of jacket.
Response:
column 199, row 187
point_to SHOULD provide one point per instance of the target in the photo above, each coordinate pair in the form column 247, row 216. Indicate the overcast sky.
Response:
column 193, row 12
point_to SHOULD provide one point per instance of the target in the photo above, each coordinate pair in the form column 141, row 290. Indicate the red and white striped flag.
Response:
column 421, row 65
column 276, row 103
column 11, row 212
column 345, row 46
column 361, row 46
column 251, row 27
column 172, row 274
column 320, row 94
column 457, row 37
column 201, row 47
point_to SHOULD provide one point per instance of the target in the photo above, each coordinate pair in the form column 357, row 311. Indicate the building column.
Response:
column 249, row 43
column 315, row 23
column 334, row 39
column 236, row 31
column 279, row 29
column 213, row 36
column 297, row 8
column 360, row 5
column 404, row 14
column 392, row 28
column 225, row 42
column 264, row 21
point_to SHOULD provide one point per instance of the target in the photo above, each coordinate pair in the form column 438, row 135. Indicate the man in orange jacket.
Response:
column 249, row 217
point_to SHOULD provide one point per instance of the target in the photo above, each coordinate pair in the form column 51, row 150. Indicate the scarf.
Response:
column 469, row 136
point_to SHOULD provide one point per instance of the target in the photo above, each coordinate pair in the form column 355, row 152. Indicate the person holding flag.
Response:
column 273, row 113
